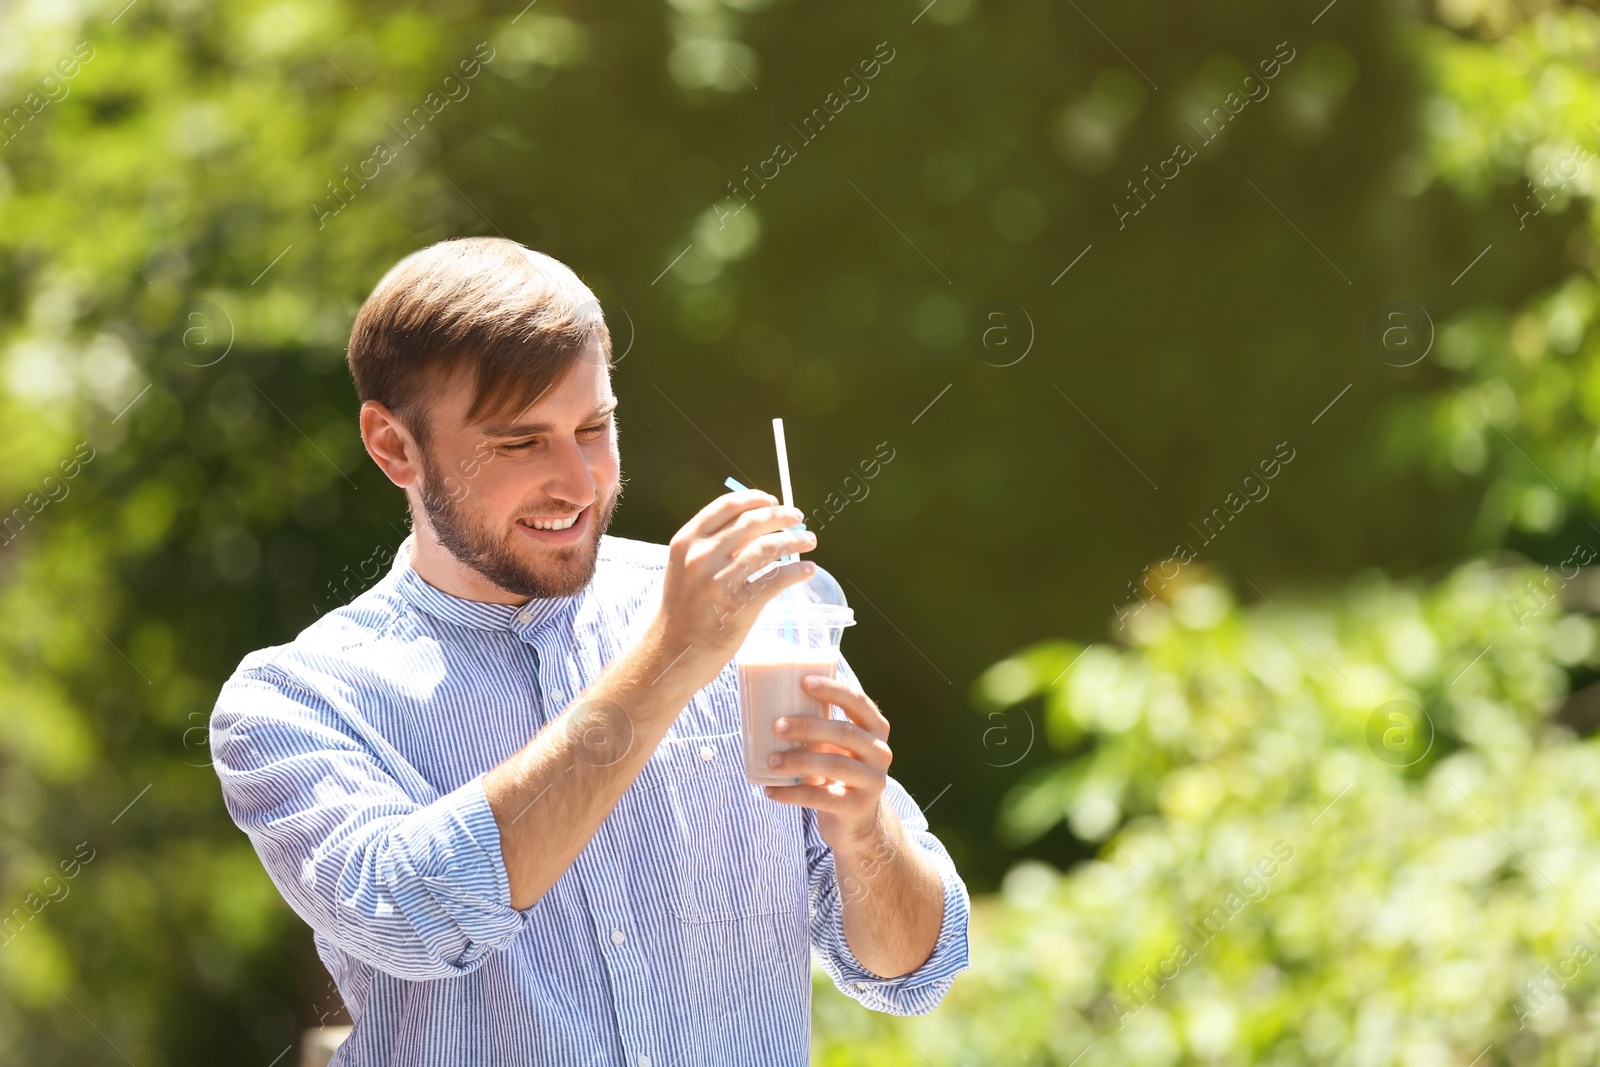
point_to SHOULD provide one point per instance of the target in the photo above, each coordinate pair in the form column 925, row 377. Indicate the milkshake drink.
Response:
column 796, row 634
column 770, row 690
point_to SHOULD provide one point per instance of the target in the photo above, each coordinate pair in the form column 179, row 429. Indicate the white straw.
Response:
column 783, row 463
column 783, row 472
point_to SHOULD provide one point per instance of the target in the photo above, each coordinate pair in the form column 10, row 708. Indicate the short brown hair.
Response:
column 515, row 319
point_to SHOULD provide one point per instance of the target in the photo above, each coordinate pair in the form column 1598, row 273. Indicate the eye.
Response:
column 597, row 429
column 520, row 446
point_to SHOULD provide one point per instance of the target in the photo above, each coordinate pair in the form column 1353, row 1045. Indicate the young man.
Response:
column 505, row 785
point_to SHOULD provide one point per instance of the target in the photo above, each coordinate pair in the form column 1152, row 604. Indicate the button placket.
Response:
column 538, row 683
column 603, row 876
column 563, row 684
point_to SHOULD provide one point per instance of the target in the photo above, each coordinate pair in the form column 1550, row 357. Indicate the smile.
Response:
column 551, row 524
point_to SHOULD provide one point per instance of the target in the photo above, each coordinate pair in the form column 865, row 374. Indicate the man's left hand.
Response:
column 843, row 769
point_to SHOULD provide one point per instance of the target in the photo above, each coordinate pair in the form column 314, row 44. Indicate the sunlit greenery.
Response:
column 1411, row 745
column 1414, row 880
column 1515, row 128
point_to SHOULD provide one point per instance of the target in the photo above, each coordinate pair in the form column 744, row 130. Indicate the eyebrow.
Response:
column 529, row 429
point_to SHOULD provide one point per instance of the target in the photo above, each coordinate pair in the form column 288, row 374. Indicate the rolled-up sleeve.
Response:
column 415, row 887
column 911, row 994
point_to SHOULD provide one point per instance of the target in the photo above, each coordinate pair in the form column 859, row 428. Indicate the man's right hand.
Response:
column 550, row 796
column 708, row 603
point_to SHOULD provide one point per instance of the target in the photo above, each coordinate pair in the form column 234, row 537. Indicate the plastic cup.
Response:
column 797, row 634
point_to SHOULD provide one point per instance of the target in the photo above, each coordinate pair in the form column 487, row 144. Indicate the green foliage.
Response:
column 138, row 213
column 1337, row 896
column 1356, row 828
column 1521, row 415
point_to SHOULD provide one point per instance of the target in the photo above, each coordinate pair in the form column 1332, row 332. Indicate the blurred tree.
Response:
column 178, row 270
column 1356, row 828
column 1513, row 125
column 1339, row 830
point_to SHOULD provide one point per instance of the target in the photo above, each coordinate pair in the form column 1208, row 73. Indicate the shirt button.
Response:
column 644, row 1061
column 861, row 985
column 523, row 617
column 706, row 752
column 618, row 937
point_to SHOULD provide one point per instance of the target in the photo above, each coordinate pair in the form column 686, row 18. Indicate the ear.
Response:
column 391, row 445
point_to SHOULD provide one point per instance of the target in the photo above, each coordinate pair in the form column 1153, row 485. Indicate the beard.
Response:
column 476, row 544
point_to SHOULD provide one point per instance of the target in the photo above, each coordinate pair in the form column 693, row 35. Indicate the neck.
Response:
column 444, row 572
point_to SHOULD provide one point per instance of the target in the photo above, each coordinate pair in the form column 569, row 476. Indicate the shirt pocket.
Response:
column 736, row 853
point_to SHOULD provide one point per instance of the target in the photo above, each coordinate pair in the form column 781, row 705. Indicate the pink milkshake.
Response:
column 769, row 690
column 797, row 635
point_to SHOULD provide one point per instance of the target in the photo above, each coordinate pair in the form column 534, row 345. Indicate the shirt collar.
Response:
column 471, row 613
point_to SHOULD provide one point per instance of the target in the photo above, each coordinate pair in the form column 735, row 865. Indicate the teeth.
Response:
column 552, row 524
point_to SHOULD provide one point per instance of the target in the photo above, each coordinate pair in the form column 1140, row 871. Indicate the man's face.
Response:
column 523, row 498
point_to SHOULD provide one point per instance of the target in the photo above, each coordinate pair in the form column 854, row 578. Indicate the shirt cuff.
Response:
column 445, row 871
column 910, row 994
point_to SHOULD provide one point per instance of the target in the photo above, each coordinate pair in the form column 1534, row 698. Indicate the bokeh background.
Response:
column 1226, row 581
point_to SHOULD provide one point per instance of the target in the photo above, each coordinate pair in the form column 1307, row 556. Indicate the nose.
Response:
column 568, row 478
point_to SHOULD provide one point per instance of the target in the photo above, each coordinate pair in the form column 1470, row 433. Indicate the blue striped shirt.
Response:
column 354, row 756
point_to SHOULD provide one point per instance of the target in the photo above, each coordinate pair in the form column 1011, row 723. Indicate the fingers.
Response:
column 862, row 711
column 821, row 797
column 732, row 540
column 762, row 551
column 775, row 581
column 852, row 772
column 740, row 599
column 840, row 736
column 722, row 511
column 752, row 537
